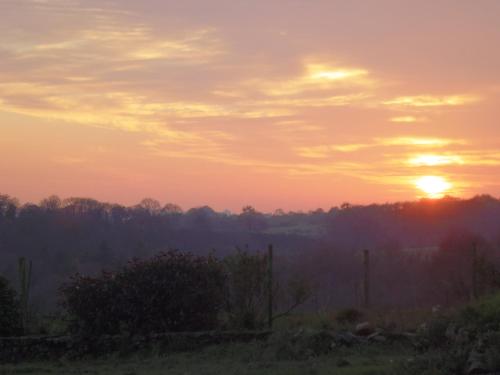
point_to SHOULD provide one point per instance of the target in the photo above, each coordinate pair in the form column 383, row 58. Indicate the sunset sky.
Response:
column 277, row 104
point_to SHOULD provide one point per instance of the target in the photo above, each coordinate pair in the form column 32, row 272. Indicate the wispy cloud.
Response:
column 325, row 151
column 407, row 119
column 469, row 157
column 316, row 77
column 435, row 160
column 423, row 101
column 417, row 141
column 73, row 75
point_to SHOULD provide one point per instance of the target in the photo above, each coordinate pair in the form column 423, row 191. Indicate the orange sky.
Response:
column 278, row 104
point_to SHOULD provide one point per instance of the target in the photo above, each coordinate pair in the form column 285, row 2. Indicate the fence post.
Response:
column 366, row 276
column 24, row 271
column 270, row 286
column 474, row 271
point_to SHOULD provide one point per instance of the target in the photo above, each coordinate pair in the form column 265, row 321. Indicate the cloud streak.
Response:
column 430, row 101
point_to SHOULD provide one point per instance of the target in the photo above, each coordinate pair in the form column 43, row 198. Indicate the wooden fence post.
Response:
column 270, row 286
column 366, row 278
column 24, row 271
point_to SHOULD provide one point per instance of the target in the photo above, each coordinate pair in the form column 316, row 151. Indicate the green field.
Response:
column 241, row 359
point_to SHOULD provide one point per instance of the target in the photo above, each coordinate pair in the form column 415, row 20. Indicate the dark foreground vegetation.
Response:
column 398, row 288
column 170, row 292
column 141, row 313
column 462, row 341
column 234, row 359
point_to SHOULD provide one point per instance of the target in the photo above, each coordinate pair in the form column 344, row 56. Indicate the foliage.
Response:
column 470, row 337
column 252, row 220
column 94, row 303
column 49, row 325
column 491, row 348
column 456, row 356
column 235, row 358
column 434, row 334
column 64, row 236
column 246, row 289
column 299, row 290
column 10, row 322
column 482, row 315
column 348, row 316
column 173, row 291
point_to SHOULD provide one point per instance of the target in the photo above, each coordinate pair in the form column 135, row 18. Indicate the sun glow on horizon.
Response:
column 433, row 186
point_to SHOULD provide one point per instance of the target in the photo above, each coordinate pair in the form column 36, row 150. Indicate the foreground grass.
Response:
column 398, row 320
column 240, row 359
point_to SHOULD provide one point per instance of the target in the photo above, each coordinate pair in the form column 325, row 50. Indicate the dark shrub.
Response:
column 348, row 316
column 434, row 335
column 246, row 290
column 95, row 303
column 453, row 345
column 171, row 292
column 482, row 315
column 10, row 320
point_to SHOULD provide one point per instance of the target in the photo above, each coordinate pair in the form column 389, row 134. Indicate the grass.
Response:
column 254, row 358
column 241, row 359
column 400, row 320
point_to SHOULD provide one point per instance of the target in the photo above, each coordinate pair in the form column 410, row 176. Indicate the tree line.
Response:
column 420, row 251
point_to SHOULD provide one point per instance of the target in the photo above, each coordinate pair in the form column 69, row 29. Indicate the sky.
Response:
column 277, row 104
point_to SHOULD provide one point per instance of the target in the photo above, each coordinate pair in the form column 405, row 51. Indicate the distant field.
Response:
column 235, row 359
column 307, row 230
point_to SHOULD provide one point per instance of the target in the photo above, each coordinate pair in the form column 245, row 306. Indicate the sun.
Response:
column 433, row 186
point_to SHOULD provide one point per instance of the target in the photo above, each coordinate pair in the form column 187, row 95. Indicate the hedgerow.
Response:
column 173, row 291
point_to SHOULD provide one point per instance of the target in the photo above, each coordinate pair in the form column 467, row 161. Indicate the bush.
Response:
column 482, row 315
column 171, row 292
column 246, row 290
column 435, row 333
column 452, row 344
column 10, row 319
column 95, row 304
column 348, row 316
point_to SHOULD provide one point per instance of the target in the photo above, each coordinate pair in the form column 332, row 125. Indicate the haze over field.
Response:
column 285, row 104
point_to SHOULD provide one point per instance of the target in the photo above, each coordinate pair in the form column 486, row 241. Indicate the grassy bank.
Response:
column 241, row 359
